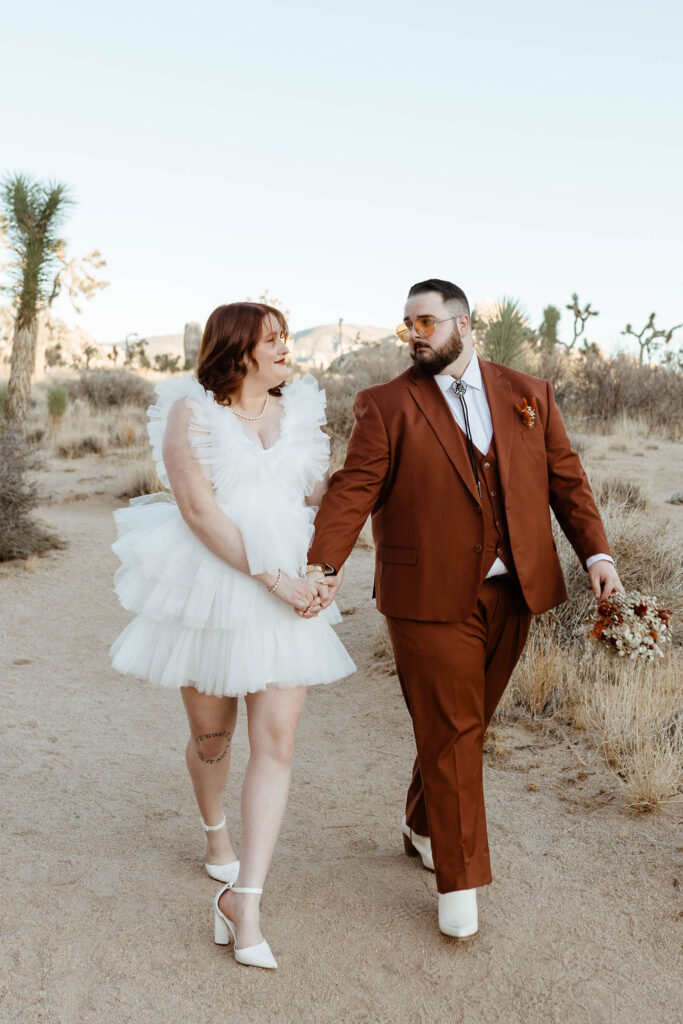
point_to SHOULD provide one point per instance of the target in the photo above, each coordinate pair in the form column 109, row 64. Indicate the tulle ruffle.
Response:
column 232, row 662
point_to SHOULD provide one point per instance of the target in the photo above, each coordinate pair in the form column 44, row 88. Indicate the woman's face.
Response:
column 269, row 353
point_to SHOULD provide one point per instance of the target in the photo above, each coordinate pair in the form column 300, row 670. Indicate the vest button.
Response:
column 478, row 548
column 493, row 494
column 487, row 465
column 499, row 551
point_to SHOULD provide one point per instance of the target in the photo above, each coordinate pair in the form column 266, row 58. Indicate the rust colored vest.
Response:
column 496, row 538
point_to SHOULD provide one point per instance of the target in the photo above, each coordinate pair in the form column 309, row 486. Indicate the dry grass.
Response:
column 85, row 429
column 141, row 477
column 634, row 710
column 636, row 714
column 382, row 651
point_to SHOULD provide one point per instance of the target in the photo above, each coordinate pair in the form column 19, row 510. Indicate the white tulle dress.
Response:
column 199, row 622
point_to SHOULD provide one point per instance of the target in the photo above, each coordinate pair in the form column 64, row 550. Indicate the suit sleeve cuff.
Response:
column 598, row 558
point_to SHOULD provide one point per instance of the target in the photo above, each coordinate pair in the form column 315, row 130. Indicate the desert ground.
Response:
column 106, row 910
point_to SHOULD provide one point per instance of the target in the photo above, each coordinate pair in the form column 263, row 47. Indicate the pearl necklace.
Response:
column 243, row 416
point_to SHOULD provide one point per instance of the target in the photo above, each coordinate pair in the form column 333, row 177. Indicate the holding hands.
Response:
column 326, row 591
column 308, row 595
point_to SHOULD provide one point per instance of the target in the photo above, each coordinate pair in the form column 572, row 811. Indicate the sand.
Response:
column 106, row 909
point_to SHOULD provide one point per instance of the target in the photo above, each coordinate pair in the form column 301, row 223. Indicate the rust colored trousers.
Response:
column 453, row 675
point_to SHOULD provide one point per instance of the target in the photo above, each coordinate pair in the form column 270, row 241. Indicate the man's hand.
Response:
column 328, row 587
column 604, row 579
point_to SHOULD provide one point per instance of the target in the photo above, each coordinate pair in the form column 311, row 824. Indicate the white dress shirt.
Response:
column 481, row 428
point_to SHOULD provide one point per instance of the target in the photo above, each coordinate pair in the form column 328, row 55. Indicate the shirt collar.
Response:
column 471, row 376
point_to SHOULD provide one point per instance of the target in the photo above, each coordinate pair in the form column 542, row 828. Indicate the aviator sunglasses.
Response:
column 424, row 326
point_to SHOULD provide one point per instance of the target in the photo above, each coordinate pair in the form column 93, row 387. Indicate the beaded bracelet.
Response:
column 271, row 590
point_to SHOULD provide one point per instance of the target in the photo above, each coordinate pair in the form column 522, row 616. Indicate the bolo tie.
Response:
column 459, row 388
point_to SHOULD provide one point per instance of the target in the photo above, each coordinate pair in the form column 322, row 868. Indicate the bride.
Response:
column 224, row 603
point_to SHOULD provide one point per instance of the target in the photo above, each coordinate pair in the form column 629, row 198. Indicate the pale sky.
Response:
column 334, row 153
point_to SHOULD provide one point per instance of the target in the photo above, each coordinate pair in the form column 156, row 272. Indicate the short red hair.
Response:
column 230, row 337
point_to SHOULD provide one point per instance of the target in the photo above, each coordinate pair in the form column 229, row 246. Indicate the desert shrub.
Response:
column 370, row 364
column 84, row 429
column 20, row 535
column 620, row 492
column 3, row 400
column 599, row 392
column 142, row 478
column 76, row 448
column 103, row 388
column 57, row 401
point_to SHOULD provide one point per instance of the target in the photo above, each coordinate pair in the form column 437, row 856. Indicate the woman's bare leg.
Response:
column 273, row 717
column 212, row 724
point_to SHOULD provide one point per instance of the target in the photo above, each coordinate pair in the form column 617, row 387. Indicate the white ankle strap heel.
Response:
column 212, row 828
column 221, row 872
column 224, row 929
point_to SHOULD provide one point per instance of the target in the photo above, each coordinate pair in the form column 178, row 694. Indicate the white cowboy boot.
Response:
column 414, row 844
column 458, row 913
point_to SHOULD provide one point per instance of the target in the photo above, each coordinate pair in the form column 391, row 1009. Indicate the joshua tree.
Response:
column 581, row 318
column 31, row 214
column 547, row 332
column 650, row 338
column 136, row 354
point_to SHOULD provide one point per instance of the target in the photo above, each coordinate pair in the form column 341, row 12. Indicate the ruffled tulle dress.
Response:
column 199, row 622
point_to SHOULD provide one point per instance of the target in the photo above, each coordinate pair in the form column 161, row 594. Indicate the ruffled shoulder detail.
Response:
column 308, row 447
column 305, row 401
column 168, row 392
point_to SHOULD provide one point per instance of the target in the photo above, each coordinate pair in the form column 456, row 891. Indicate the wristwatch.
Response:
column 324, row 568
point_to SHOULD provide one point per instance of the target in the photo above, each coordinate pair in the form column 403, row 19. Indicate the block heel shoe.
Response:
column 224, row 930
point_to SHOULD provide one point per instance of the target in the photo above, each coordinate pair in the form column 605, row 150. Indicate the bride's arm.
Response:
column 194, row 496
column 318, row 492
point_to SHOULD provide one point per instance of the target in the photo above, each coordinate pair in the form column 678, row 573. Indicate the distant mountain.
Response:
column 319, row 346
column 159, row 344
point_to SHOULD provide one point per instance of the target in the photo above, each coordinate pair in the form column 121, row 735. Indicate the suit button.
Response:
column 499, row 551
column 478, row 548
column 493, row 494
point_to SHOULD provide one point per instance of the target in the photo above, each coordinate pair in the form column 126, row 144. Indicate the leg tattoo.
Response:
column 212, row 736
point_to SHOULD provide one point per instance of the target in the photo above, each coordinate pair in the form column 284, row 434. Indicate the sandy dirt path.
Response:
column 106, row 910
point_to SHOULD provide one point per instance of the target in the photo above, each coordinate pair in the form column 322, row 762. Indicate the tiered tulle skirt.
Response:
column 200, row 623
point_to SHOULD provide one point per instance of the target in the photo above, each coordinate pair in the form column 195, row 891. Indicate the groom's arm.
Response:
column 355, row 489
column 571, row 497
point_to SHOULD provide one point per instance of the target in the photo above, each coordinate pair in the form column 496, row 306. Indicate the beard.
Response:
column 433, row 362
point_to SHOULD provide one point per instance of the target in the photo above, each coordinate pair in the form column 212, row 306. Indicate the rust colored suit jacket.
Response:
column 407, row 464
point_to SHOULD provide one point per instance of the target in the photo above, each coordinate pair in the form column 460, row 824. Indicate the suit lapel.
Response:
column 426, row 393
column 499, row 395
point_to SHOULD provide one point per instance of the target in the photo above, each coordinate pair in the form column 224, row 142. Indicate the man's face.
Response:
column 434, row 353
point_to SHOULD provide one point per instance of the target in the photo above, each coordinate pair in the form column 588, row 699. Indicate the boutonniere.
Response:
column 527, row 412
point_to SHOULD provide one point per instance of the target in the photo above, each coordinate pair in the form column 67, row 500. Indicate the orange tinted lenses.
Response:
column 424, row 325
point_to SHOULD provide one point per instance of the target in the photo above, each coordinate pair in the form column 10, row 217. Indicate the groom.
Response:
column 459, row 461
